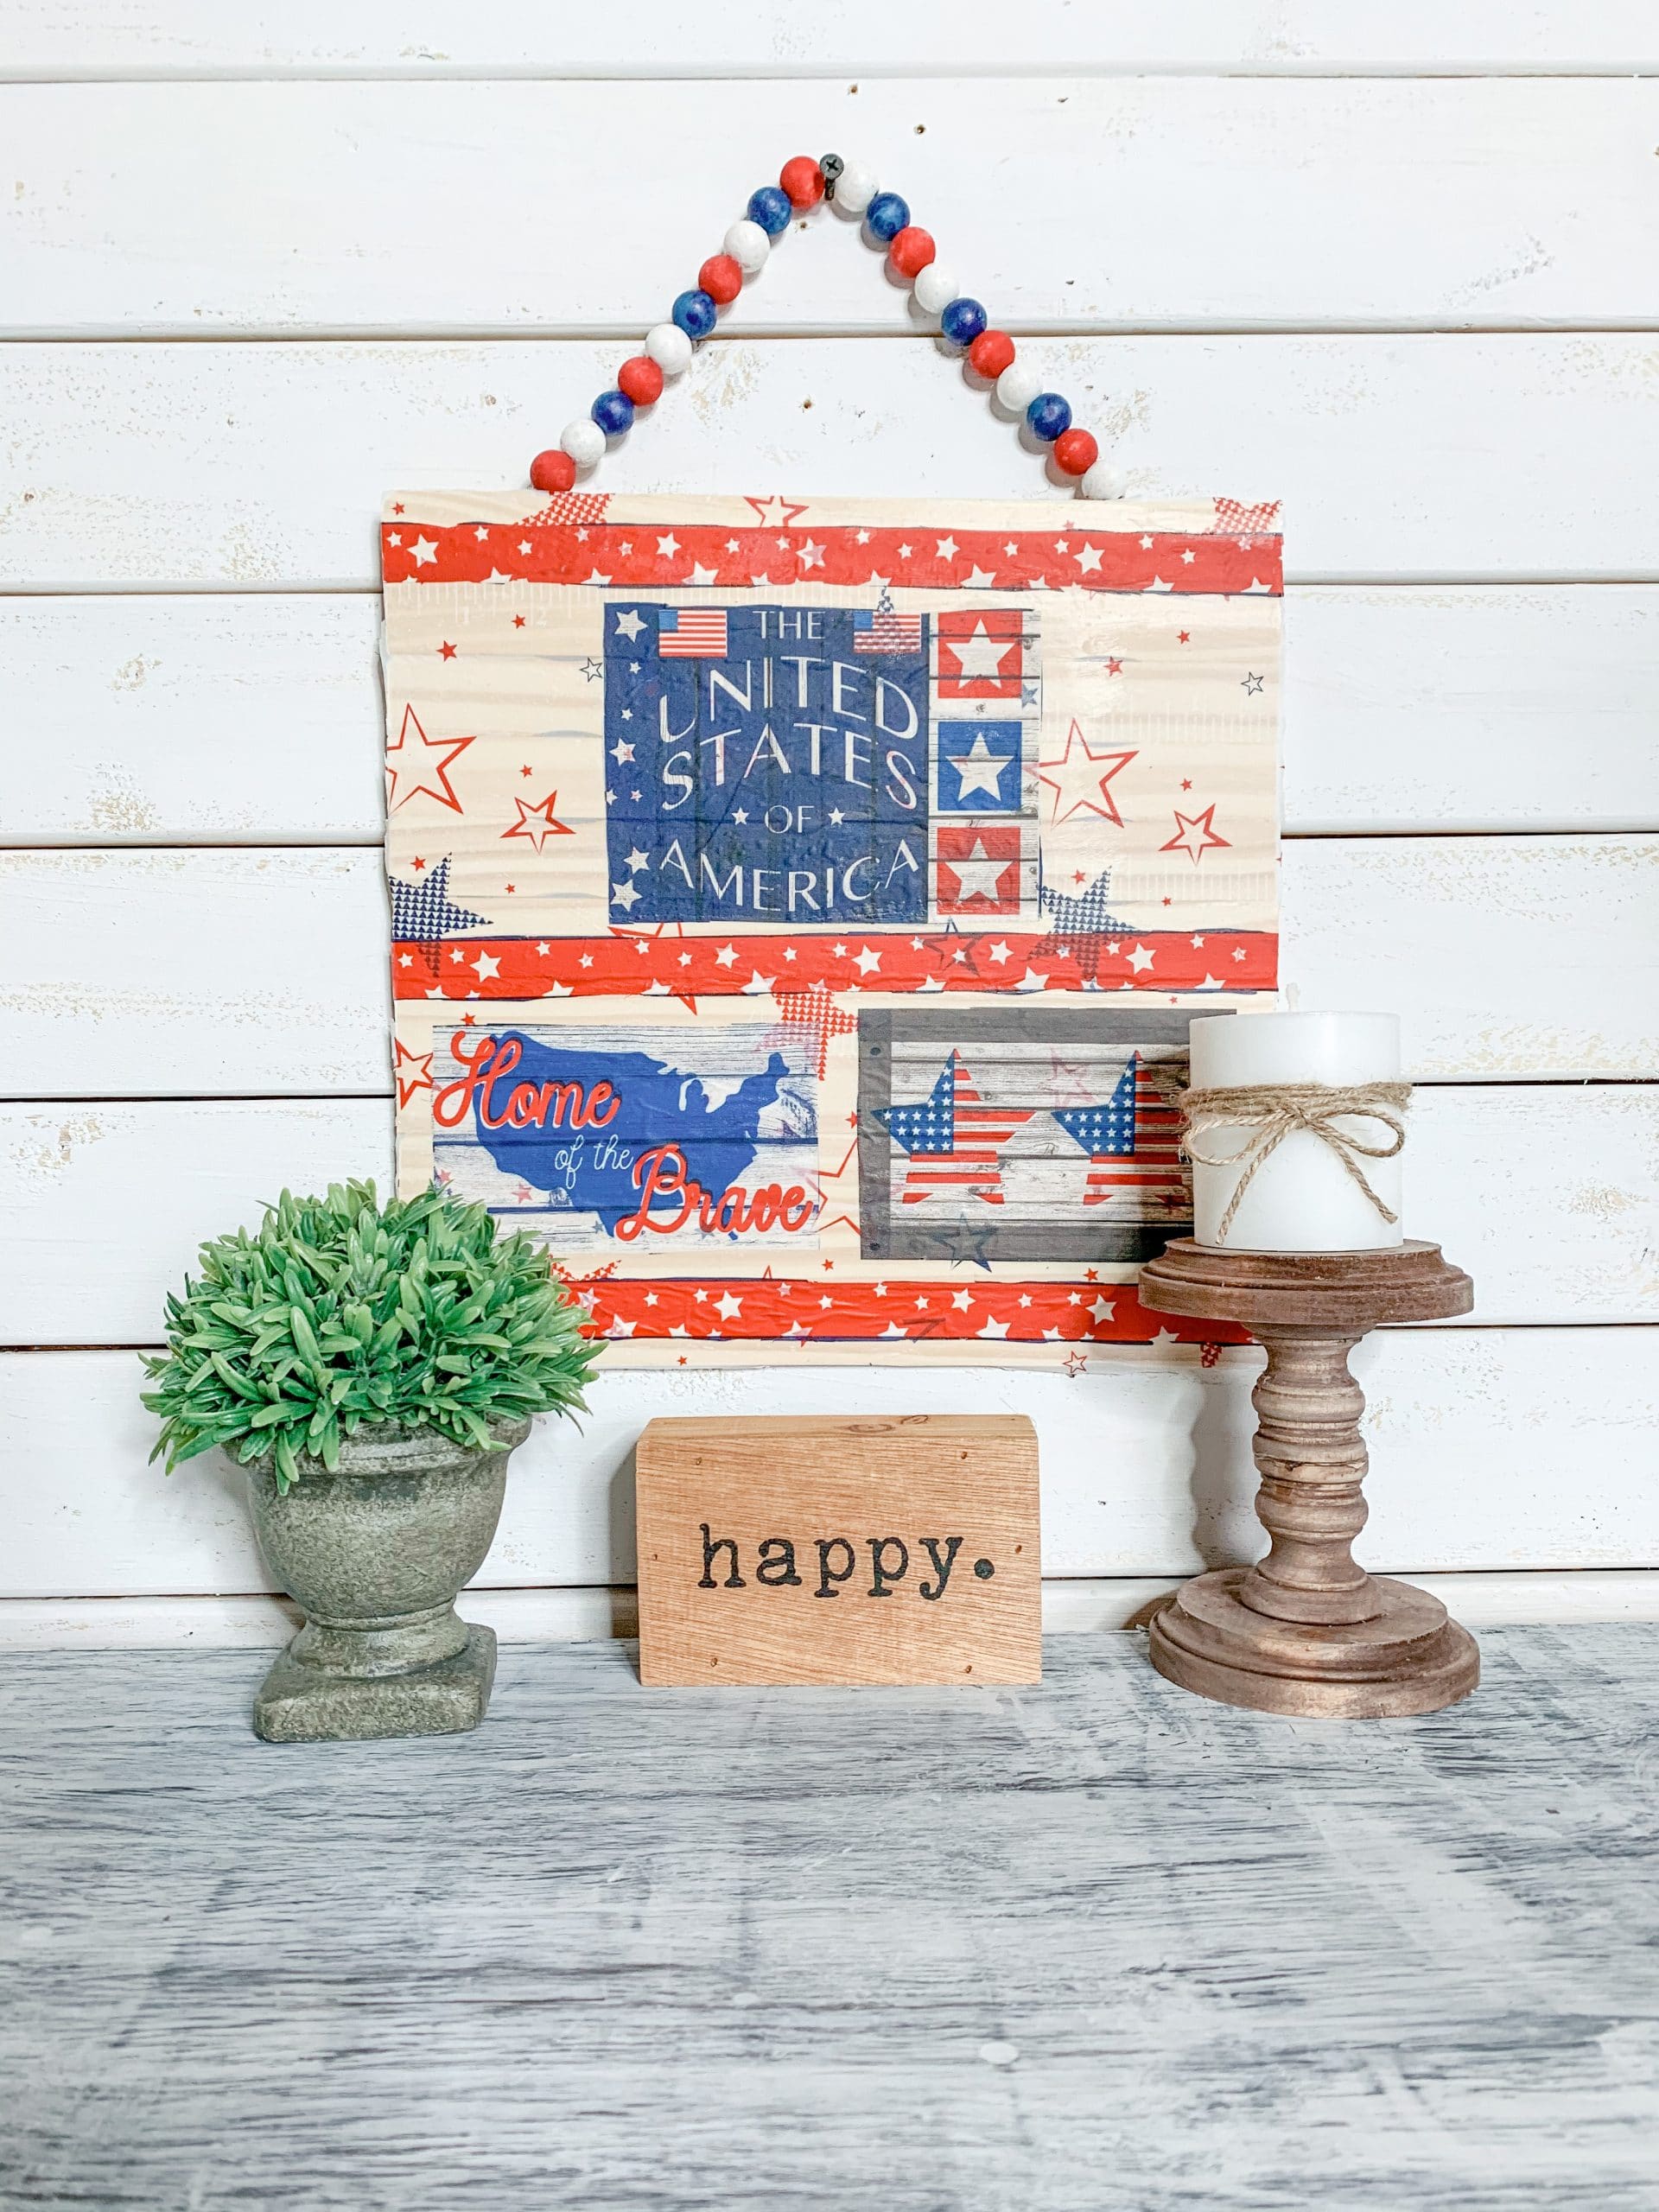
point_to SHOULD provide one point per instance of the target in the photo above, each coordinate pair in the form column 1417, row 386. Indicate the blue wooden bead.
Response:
column 962, row 322
column 697, row 314
column 613, row 412
column 770, row 208
column 886, row 215
column 1048, row 414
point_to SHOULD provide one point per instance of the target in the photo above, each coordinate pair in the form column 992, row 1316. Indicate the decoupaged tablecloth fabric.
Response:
column 795, row 902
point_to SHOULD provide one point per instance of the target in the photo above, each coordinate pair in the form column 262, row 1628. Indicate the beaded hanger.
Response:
column 801, row 184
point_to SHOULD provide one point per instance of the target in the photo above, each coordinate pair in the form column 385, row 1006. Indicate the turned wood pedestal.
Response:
column 1306, row 1632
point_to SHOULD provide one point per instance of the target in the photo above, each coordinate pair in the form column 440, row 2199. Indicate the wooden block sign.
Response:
column 796, row 1550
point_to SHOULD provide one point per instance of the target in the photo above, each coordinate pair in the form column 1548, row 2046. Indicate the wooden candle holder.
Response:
column 1307, row 1631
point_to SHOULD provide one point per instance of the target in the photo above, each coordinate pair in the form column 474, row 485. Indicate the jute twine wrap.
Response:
column 1273, row 1111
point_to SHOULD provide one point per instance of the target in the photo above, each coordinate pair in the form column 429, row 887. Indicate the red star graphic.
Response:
column 517, row 621
column 537, row 822
column 1184, row 637
column 417, row 861
column 827, row 1220
column 1113, row 668
column 1195, row 834
column 777, row 512
column 397, row 507
column 419, row 766
column 447, row 652
column 422, row 1078
column 1075, row 1362
column 1080, row 780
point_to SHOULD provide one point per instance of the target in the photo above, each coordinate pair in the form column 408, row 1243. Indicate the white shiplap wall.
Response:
column 1398, row 264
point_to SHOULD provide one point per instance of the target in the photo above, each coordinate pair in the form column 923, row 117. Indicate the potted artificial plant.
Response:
column 372, row 1370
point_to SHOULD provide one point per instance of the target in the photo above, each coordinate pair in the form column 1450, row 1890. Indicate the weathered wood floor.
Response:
column 1093, row 1948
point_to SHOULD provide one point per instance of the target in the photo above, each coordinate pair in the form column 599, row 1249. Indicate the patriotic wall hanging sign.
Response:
column 797, row 905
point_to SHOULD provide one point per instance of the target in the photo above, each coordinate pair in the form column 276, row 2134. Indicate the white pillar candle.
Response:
column 1302, row 1198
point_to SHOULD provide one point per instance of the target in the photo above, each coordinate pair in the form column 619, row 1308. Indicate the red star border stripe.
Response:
column 1157, row 961
column 625, row 557
column 769, row 1309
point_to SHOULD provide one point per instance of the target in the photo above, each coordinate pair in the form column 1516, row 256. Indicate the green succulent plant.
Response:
column 336, row 1315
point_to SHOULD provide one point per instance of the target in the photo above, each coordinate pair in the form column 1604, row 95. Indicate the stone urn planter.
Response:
column 377, row 1553
column 371, row 1367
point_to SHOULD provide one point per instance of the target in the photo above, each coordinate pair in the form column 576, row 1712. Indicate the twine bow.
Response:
column 1273, row 1111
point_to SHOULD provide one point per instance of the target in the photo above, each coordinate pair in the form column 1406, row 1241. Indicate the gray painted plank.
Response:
column 1098, row 1946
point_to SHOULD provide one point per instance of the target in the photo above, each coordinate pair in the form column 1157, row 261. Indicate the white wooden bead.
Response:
column 668, row 346
column 1017, row 387
column 748, row 245
column 935, row 287
column 1102, row 481
column 583, row 441
column 856, row 187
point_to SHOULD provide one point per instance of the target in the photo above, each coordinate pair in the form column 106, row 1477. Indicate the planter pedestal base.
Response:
column 317, row 1696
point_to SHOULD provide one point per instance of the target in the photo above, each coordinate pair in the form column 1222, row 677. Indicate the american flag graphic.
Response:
column 887, row 631
column 1133, row 1141
column 688, row 632
column 955, row 1141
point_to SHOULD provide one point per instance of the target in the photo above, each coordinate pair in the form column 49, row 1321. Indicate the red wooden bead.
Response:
column 553, row 471
column 1076, row 452
column 990, row 353
column 803, row 179
column 722, row 278
column 912, row 251
column 641, row 380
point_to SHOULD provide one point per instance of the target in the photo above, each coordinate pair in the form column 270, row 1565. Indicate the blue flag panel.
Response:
column 765, row 766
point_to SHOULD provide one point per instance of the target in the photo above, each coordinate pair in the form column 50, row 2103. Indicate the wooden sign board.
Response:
column 793, row 901
column 799, row 1550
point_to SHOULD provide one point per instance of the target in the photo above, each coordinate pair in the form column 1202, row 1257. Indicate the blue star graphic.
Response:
column 1106, row 1129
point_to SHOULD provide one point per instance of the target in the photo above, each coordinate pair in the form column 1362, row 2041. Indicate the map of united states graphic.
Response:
column 629, row 1104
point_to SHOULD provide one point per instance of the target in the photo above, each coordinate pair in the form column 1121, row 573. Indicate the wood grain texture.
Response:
column 1086, row 1946
column 864, row 39
column 225, row 715
column 1467, row 202
column 1146, row 1463
column 1395, row 456
column 1082, row 1605
column 194, row 973
column 1408, row 708
column 1404, row 709
column 261, row 972
column 1473, row 943
column 153, row 721
column 770, row 1550
column 103, row 1206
